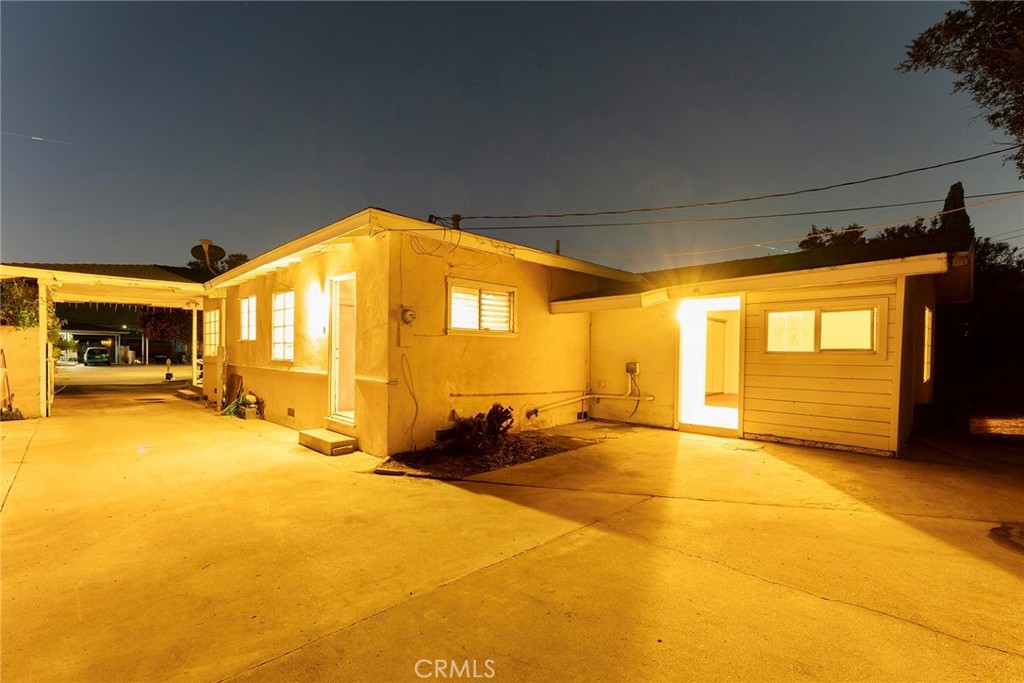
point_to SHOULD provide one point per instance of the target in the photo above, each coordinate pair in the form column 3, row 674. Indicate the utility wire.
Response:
column 762, row 243
column 1006, row 233
column 678, row 221
column 745, row 199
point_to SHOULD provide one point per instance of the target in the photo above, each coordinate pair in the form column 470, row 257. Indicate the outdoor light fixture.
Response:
column 318, row 310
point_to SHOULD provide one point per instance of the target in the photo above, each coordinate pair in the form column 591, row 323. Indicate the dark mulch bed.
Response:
column 441, row 462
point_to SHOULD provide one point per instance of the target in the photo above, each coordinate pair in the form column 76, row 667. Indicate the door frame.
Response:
column 334, row 346
column 686, row 318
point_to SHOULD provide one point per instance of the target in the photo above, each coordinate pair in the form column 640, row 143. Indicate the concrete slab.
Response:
column 152, row 540
column 327, row 442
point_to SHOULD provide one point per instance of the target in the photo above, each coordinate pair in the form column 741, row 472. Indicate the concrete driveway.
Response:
column 121, row 375
column 145, row 538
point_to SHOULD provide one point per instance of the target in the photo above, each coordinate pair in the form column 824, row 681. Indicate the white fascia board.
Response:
column 609, row 303
column 929, row 264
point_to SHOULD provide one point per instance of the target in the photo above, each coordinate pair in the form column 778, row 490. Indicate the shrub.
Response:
column 482, row 433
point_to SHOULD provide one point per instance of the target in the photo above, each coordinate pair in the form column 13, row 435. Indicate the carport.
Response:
column 138, row 285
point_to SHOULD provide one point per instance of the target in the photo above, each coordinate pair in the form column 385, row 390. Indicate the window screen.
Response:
column 791, row 331
column 848, row 330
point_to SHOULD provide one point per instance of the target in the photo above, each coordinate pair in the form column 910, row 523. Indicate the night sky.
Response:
column 255, row 123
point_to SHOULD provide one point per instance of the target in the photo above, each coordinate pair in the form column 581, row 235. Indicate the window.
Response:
column 928, row 327
column 282, row 345
column 848, row 330
column 248, row 321
column 211, row 332
column 791, row 331
column 818, row 329
column 483, row 308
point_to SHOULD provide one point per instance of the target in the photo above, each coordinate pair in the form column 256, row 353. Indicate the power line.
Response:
column 762, row 243
column 1009, row 239
column 1007, row 232
column 677, row 221
column 745, row 199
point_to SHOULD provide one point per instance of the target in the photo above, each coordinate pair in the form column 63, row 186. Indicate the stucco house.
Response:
column 379, row 327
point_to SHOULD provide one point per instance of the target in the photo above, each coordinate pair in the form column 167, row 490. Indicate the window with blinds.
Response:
column 487, row 308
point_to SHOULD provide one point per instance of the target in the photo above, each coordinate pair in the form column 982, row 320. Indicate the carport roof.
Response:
column 139, row 284
column 128, row 270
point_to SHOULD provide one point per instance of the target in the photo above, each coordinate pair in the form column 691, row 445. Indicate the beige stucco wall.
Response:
column 409, row 377
column 549, row 353
column 300, row 386
column 21, row 351
column 650, row 336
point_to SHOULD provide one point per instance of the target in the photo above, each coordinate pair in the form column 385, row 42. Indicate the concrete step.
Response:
column 189, row 395
column 327, row 442
column 339, row 426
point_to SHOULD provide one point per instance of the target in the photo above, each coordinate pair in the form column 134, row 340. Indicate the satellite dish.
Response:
column 207, row 252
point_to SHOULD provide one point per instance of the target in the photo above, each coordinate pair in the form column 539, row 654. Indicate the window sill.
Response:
column 481, row 333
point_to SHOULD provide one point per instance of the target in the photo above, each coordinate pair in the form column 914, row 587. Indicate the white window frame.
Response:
column 247, row 318
column 211, row 331
column 282, row 326
column 481, row 288
column 879, row 308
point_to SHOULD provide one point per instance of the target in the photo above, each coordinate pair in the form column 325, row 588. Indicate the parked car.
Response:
column 96, row 355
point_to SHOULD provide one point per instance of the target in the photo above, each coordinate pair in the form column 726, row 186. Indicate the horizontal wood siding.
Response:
column 846, row 399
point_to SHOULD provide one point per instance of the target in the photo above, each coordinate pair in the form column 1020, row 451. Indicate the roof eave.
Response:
column 927, row 264
column 371, row 222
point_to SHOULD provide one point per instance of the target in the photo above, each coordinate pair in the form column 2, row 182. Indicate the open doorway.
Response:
column 343, row 348
column 709, row 362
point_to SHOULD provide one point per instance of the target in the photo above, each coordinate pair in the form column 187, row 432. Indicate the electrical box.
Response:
column 633, row 368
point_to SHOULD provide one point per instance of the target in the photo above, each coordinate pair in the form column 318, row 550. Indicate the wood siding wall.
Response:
column 845, row 399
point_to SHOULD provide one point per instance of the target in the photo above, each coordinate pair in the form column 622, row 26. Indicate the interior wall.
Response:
column 732, row 348
column 649, row 336
column 436, row 372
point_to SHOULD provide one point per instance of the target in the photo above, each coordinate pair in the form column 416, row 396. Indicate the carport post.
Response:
column 195, row 366
column 44, row 347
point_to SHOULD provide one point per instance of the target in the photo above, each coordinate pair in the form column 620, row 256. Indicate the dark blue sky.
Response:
column 253, row 124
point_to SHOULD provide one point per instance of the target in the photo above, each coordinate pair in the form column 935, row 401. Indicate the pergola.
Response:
column 101, row 283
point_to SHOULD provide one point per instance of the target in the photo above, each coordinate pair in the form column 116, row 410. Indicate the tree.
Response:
column 19, row 307
column 819, row 238
column 172, row 324
column 230, row 261
column 977, row 354
column 983, row 44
